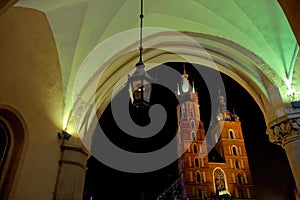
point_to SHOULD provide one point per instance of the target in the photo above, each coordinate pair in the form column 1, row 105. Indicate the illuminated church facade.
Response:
column 213, row 164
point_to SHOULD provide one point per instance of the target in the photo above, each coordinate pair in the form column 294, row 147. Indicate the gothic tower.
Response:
column 222, row 171
column 228, row 159
column 192, row 146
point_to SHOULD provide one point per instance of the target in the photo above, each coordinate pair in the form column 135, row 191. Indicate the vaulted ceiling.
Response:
column 261, row 27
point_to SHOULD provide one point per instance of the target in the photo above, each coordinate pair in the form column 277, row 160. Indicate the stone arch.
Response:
column 243, row 66
column 219, row 179
column 234, row 150
column 12, row 162
column 231, row 134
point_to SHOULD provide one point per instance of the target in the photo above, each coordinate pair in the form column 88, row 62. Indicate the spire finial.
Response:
column 222, row 101
column 219, row 90
column 178, row 90
column 193, row 89
column 185, row 75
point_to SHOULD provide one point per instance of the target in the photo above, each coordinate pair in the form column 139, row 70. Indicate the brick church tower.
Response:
column 212, row 165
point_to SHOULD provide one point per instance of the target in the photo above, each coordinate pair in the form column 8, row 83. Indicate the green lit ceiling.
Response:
column 259, row 26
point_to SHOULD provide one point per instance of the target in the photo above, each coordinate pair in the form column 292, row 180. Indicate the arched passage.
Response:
column 13, row 127
column 225, row 56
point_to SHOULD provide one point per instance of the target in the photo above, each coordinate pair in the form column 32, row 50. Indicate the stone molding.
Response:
column 285, row 132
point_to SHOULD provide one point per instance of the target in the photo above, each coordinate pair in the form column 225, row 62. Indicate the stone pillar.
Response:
column 287, row 134
column 72, row 168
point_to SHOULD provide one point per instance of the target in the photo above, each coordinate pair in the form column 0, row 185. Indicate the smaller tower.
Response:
column 229, row 155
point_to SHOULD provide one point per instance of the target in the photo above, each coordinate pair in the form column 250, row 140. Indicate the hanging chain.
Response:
column 141, row 33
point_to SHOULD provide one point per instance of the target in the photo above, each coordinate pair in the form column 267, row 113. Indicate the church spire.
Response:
column 223, row 113
column 185, row 90
column 185, row 81
column 222, row 102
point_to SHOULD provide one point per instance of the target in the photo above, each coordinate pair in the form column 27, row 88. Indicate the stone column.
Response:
column 72, row 168
column 287, row 134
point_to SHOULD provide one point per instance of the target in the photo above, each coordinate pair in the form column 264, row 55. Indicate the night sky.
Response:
column 270, row 170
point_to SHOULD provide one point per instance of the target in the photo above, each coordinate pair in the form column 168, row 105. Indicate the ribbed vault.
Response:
column 261, row 27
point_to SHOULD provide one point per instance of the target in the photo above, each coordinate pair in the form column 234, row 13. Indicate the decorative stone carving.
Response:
column 279, row 133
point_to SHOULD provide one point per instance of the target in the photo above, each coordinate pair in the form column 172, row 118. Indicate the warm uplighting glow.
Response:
column 65, row 122
column 291, row 92
column 69, row 127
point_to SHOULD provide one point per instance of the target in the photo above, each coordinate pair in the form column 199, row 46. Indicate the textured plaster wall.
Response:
column 31, row 83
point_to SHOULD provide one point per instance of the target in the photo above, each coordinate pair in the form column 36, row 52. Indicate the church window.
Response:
column 219, row 180
column 183, row 112
column 237, row 164
column 192, row 110
column 194, row 136
column 240, row 179
column 196, row 162
column 199, row 193
column 195, row 148
column 234, row 150
column 198, row 177
column 242, row 193
column 193, row 124
column 231, row 134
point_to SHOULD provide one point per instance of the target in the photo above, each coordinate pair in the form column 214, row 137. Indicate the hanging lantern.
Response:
column 139, row 84
column 140, row 87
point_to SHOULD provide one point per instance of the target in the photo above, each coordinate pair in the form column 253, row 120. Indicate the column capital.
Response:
column 285, row 132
